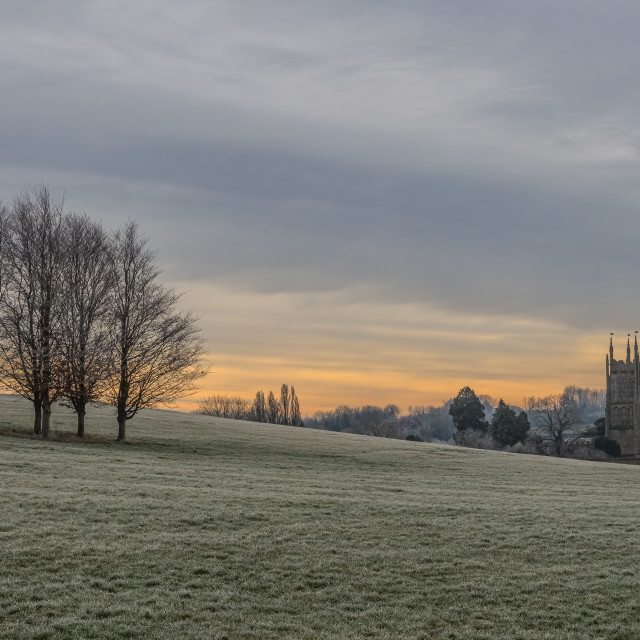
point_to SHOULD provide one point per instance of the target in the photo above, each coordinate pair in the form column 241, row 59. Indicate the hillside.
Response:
column 209, row 528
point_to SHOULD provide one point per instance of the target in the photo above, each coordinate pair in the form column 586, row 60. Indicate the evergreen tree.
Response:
column 467, row 411
column 507, row 427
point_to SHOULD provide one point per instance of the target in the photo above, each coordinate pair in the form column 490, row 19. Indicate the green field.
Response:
column 209, row 528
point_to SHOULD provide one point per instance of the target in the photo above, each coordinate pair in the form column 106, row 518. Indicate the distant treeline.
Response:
column 282, row 410
column 559, row 424
column 427, row 423
column 479, row 421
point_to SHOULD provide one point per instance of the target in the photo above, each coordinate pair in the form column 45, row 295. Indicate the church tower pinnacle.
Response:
column 611, row 347
column 628, row 348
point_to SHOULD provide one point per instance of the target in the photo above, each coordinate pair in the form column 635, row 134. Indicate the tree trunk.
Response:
column 46, row 367
column 121, row 428
column 37, row 420
column 81, row 402
column 46, row 416
column 123, row 390
column 122, row 411
column 81, row 413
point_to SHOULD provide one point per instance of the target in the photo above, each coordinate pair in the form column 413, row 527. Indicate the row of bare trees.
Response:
column 282, row 410
column 84, row 318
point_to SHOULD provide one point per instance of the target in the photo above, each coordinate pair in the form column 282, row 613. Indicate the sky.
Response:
column 375, row 202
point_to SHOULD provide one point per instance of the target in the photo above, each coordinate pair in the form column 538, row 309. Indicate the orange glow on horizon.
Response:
column 325, row 389
column 335, row 350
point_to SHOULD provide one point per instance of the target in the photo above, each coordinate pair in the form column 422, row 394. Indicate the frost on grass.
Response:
column 213, row 529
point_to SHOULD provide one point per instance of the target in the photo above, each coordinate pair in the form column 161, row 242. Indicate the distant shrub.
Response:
column 582, row 449
column 430, row 424
column 533, row 445
column 475, row 439
column 413, row 438
column 608, row 446
column 584, row 452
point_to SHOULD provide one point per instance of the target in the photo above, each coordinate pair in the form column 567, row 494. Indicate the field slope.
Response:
column 206, row 528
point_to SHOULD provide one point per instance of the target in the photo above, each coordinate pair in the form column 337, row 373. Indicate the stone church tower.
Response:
column 622, row 417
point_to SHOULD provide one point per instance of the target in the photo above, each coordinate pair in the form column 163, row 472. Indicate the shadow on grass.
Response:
column 11, row 431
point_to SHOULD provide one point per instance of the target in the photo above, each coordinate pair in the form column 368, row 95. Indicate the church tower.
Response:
column 622, row 417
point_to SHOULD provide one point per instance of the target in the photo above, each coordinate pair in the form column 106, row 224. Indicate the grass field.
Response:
column 210, row 528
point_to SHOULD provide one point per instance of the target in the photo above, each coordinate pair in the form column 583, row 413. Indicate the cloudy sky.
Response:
column 375, row 201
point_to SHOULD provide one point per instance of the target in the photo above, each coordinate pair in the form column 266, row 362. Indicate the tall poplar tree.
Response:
column 285, row 405
column 273, row 408
column 296, row 416
column 260, row 407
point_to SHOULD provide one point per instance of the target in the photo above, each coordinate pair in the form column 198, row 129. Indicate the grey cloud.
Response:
column 400, row 151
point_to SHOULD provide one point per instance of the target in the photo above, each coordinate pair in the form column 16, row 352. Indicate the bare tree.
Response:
column 430, row 423
column 555, row 414
column 221, row 406
column 240, row 408
column 32, row 266
column 212, row 406
column 4, row 259
column 4, row 232
column 158, row 349
column 374, row 421
column 589, row 403
column 86, row 361
column 225, row 406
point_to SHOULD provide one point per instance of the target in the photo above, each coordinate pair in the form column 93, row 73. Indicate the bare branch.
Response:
column 158, row 349
column 555, row 415
column 31, row 283
column 84, row 337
